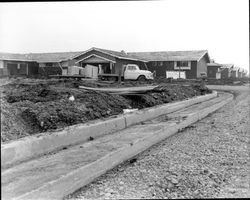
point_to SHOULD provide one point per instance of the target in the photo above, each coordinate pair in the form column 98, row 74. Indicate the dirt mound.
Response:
column 34, row 93
column 43, row 106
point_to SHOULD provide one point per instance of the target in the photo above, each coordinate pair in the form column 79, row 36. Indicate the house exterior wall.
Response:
column 26, row 68
column 42, row 64
column 201, row 66
column 169, row 66
column 47, row 64
column 1, row 64
column 70, row 63
column 225, row 73
column 33, row 68
column 65, row 63
column 118, row 63
column 3, row 68
column 211, row 71
column 234, row 74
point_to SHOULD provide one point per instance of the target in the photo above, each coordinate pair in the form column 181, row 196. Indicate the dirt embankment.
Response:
column 30, row 107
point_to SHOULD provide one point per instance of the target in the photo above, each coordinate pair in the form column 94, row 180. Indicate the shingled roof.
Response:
column 140, row 56
column 116, row 54
column 15, row 56
column 39, row 57
column 54, row 57
column 214, row 64
column 170, row 55
column 227, row 65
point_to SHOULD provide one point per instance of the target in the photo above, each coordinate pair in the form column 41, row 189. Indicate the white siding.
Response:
column 1, row 64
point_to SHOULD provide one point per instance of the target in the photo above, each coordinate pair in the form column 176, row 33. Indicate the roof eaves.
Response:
column 206, row 51
column 11, row 59
column 214, row 64
column 48, row 61
column 120, row 57
column 75, row 56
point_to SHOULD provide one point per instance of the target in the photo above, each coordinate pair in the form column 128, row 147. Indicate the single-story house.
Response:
column 213, row 69
column 241, row 73
column 226, row 71
column 187, row 64
column 17, row 65
column 56, row 59
column 107, row 61
column 183, row 64
column 244, row 73
column 12, row 64
column 235, row 72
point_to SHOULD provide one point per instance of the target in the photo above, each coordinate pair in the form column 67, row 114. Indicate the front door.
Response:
column 12, row 68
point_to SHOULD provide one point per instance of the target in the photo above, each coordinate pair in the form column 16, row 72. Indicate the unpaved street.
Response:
column 208, row 159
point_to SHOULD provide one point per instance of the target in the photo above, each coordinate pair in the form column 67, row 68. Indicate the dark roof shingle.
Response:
column 15, row 56
column 214, row 64
column 170, row 55
column 118, row 54
column 227, row 65
column 39, row 57
column 141, row 56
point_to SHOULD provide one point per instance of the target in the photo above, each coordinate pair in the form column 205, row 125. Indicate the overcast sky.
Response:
column 220, row 26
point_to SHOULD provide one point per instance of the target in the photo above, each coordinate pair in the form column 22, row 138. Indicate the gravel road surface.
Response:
column 208, row 159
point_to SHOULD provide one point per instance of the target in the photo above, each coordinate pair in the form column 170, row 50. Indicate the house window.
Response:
column 182, row 65
column 154, row 63
column 49, row 64
column 160, row 63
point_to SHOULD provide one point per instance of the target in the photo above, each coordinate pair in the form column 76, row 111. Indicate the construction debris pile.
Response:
column 30, row 107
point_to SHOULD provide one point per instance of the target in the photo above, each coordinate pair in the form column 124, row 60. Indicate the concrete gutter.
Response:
column 26, row 148
column 69, row 183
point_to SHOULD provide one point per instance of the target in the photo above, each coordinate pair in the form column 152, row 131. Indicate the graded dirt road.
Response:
column 208, row 159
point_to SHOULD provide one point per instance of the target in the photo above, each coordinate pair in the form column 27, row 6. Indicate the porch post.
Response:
column 27, row 69
column 110, row 65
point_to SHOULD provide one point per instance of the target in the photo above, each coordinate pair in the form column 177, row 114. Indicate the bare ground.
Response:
column 31, row 106
column 208, row 159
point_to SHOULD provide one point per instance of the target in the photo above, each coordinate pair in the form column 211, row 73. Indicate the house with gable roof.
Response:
column 191, row 64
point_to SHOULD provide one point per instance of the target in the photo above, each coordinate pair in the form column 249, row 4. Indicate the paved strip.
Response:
column 54, row 176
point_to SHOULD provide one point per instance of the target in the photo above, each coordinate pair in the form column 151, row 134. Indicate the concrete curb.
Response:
column 34, row 146
column 72, row 181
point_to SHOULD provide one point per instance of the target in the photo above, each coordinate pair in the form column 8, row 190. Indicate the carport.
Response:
column 104, row 65
column 17, row 68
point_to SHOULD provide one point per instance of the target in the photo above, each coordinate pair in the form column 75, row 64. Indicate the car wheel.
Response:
column 141, row 78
